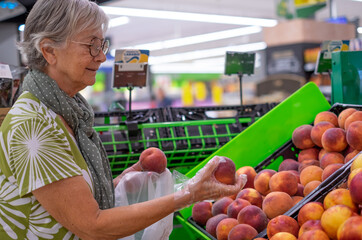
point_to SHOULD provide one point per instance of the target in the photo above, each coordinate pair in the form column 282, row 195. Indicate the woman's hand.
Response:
column 134, row 167
column 204, row 186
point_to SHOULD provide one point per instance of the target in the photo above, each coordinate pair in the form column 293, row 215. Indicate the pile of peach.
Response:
column 324, row 147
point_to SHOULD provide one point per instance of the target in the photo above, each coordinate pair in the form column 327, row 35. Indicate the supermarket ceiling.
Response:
column 169, row 38
column 207, row 30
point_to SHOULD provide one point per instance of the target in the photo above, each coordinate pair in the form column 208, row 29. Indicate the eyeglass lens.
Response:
column 97, row 46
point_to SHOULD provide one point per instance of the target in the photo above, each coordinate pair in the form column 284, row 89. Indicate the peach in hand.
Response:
column 153, row 159
column 225, row 171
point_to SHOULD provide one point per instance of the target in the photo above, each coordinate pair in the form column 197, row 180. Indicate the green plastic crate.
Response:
column 269, row 133
column 185, row 143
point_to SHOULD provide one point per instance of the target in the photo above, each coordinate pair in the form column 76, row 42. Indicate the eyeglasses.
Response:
column 96, row 45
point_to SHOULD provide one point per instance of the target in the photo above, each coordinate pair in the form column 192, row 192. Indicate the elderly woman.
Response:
column 55, row 178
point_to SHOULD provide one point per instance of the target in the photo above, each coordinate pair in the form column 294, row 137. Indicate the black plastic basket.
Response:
column 290, row 151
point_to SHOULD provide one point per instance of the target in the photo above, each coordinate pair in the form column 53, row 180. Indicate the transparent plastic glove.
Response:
column 204, row 186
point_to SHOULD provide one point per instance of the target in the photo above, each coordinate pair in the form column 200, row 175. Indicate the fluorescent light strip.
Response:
column 186, row 56
column 186, row 68
column 185, row 16
column 118, row 21
column 208, row 37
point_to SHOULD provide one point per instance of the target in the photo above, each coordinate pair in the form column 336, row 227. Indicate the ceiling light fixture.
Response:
column 206, row 53
column 208, row 37
column 118, row 21
column 185, row 16
column 359, row 30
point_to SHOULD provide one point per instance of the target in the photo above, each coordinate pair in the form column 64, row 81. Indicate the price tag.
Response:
column 5, row 71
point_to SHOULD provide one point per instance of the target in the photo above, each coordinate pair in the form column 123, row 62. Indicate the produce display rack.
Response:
column 186, row 135
column 288, row 150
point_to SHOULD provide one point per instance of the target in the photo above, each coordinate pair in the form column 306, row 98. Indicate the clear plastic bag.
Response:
column 136, row 187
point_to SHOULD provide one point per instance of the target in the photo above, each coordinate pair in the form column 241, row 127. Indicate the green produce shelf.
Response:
column 185, row 143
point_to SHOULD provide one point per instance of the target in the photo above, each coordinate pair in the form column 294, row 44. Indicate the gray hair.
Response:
column 58, row 21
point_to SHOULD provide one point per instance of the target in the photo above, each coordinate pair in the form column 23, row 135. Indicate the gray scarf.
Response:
column 80, row 117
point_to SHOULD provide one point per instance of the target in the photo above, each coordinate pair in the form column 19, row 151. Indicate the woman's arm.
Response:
column 72, row 204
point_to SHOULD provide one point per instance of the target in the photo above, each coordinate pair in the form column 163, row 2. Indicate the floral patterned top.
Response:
column 36, row 149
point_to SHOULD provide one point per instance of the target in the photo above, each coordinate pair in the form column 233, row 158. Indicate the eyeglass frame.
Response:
column 105, row 43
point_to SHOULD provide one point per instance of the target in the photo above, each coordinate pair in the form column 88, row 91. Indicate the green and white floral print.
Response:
column 36, row 149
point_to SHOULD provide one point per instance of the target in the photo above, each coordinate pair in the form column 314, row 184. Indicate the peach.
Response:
column 348, row 150
column 225, row 171
column 283, row 236
column 357, row 162
column 282, row 223
column 356, row 116
column 314, row 235
column 318, row 130
column 296, row 174
column 309, row 153
column 334, row 140
column 221, row 205
column 235, row 207
column 326, row 116
column 300, row 190
column 351, row 175
column 301, row 137
column 212, row 223
column 310, row 211
column 330, row 169
column 288, row 164
column 333, row 217
column 344, row 115
column 350, row 156
column 153, row 159
column 310, row 187
column 350, row 229
column 276, row 203
column 296, row 199
column 354, row 135
column 330, row 158
column 284, row 182
column 250, row 173
column 251, row 195
column 310, row 173
column 224, row 227
column 261, row 181
column 310, row 225
column 321, row 153
column 253, row 216
column 201, row 212
column 242, row 231
column 355, row 188
column 339, row 196
column 306, row 163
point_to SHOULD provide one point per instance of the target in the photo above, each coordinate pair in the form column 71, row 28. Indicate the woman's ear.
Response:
column 48, row 51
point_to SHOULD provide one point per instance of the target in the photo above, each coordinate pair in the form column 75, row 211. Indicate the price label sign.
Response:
column 5, row 71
